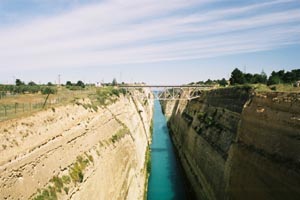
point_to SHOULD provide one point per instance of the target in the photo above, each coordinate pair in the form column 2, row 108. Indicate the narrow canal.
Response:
column 166, row 179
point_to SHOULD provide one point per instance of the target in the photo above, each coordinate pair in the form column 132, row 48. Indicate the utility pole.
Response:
column 59, row 80
column 120, row 77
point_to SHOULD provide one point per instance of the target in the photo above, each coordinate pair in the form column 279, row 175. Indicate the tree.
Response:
column 248, row 78
column 289, row 77
column 31, row 83
column 296, row 73
column 237, row 77
column 19, row 82
column 48, row 90
column 259, row 78
column 264, row 77
column 69, row 83
column 200, row 82
column 281, row 74
column 80, row 84
column 274, row 80
column 114, row 82
column 49, row 84
column 223, row 82
column 208, row 82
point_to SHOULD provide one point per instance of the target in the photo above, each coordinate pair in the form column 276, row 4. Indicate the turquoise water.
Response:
column 166, row 180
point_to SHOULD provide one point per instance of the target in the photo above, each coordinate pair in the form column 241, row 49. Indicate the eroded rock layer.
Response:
column 77, row 151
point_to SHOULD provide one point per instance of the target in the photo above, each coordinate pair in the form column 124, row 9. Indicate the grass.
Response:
column 284, row 88
column 148, row 169
column 108, row 95
column 148, row 160
column 66, row 189
column 90, row 157
column 59, row 184
column 66, row 179
column 12, row 106
column 145, row 102
column 151, row 127
column 207, row 120
column 76, row 172
column 270, row 88
column 47, row 194
column 119, row 135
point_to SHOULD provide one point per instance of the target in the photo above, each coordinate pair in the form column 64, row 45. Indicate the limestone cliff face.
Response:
column 237, row 144
column 77, row 152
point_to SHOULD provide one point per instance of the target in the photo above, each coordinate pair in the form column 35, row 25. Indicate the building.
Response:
column 98, row 84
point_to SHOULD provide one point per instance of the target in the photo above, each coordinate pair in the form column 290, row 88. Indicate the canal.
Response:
column 166, row 179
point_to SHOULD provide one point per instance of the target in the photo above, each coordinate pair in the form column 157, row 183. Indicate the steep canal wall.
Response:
column 77, row 151
column 239, row 144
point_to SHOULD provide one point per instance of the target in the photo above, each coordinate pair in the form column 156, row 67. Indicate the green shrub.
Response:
column 119, row 135
column 151, row 127
column 66, row 179
column 66, row 189
column 46, row 194
column 49, row 90
column 115, row 92
column 94, row 107
column 58, row 183
column 201, row 116
column 105, row 94
column 148, row 160
column 75, row 172
column 90, row 157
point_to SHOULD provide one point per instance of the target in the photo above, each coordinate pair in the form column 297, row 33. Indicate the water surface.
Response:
column 166, row 179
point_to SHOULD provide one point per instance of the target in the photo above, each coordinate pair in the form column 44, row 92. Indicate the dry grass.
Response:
column 26, row 104
column 285, row 88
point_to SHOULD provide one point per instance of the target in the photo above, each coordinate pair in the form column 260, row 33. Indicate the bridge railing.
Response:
column 170, row 92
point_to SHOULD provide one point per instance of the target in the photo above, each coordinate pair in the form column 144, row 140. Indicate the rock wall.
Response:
column 238, row 144
column 77, row 151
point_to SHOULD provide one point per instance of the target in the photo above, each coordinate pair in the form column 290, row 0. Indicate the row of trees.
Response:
column 221, row 82
column 31, row 83
column 20, row 88
column 238, row 77
column 284, row 77
column 75, row 86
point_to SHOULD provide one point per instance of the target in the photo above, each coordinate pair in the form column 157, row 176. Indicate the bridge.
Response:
column 169, row 92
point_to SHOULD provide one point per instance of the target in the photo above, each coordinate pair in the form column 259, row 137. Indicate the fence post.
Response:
column 16, row 108
column 23, row 108
column 30, row 107
column 5, row 111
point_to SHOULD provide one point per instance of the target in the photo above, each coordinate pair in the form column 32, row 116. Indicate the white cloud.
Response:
column 145, row 31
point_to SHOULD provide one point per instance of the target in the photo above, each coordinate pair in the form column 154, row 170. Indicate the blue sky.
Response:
column 158, row 42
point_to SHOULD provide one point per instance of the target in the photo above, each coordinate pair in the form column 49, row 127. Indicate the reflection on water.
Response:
column 165, row 181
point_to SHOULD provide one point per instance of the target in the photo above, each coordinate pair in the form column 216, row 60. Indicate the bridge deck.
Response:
column 165, row 86
column 171, row 92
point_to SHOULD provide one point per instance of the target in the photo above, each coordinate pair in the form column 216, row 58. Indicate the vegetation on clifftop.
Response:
column 277, row 81
column 107, row 95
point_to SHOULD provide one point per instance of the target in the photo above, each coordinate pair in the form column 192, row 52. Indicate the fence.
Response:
column 15, row 108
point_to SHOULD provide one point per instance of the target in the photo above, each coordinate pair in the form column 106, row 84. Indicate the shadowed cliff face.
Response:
column 237, row 144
